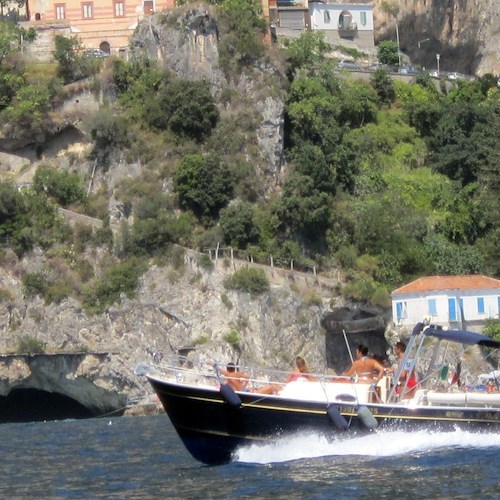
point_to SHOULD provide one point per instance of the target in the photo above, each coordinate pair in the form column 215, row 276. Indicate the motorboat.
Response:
column 213, row 420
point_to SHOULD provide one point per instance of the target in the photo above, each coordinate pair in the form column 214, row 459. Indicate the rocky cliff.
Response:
column 186, row 41
column 174, row 308
column 465, row 33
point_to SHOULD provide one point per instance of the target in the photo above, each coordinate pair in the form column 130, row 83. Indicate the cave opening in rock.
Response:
column 33, row 405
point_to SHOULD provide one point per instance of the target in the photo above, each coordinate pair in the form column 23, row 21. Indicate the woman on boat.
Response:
column 366, row 368
column 301, row 373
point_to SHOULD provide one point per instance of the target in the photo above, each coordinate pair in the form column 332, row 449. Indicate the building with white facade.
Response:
column 453, row 301
column 348, row 23
column 343, row 22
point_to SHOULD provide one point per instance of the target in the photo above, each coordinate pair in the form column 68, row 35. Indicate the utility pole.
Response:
column 437, row 59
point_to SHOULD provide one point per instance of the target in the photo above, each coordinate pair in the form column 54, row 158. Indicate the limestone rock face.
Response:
column 188, row 44
column 92, row 358
column 465, row 33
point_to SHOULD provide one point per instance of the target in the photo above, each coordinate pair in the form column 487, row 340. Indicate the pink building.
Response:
column 100, row 24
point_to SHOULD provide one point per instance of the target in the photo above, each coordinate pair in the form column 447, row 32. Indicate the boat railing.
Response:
column 206, row 372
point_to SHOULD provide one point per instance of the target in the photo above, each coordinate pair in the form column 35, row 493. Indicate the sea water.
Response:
column 142, row 457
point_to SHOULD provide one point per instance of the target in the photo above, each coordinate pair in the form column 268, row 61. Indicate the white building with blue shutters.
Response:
column 453, row 301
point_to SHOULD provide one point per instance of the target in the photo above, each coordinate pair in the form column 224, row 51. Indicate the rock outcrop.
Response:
column 173, row 309
column 187, row 43
column 465, row 33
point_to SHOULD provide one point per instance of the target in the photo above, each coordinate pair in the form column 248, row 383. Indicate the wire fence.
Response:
column 234, row 253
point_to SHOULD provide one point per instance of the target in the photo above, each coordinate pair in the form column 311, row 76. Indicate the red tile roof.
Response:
column 437, row 283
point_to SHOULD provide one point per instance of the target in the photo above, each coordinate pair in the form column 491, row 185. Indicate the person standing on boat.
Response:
column 364, row 367
column 406, row 376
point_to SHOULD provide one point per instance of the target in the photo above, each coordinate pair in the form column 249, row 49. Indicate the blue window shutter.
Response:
column 480, row 305
column 399, row 310
column 432, row 307
column 452, row 309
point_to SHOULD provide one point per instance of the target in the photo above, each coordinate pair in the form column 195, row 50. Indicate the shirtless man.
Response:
column 364, row 366
column 236, row 380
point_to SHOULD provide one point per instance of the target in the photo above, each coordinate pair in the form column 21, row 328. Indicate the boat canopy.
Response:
column 460, row 336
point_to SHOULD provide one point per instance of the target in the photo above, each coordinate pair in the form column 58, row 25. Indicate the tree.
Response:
column 73, row 65
column 465, row 141
column 243, row 26
column 303, row 210
column 65, row 187
column 306, row 51
column 204, row 184
column 311, row 161
column 384, row 86
column 388, row 53
column 109, row 133
column 185, row 107
column 238, row 226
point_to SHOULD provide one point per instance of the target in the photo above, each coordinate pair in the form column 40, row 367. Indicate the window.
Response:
column 362, row 16
column 401, row 310
column 87, row 10
column 148, row 7
column 326, row 17
column 60, row 10
column 480, row 305
column 119, row 9
column 431, row 304
column 452, row 309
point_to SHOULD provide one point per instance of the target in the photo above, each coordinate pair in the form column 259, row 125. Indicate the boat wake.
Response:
column 380, row 444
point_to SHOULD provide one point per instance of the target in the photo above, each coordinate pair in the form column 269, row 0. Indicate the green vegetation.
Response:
column 492, row 328
column 120, row 278
column 248, row 279
column 233, row 339
column 388, row 181
column 30, row 345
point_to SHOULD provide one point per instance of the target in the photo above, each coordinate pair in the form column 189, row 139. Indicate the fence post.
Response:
column 232, row 255
column 291, row 264
column 272, row 263
column 217, row 252
column 314, row 270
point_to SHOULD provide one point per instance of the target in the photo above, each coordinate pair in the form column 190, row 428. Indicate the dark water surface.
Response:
column 141, row 457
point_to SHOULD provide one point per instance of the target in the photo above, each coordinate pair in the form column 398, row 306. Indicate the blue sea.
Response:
column 142, row 457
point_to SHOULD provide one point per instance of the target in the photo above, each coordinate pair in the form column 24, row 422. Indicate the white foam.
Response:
column 379, row 444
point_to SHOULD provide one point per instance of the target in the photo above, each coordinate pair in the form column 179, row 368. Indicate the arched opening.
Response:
column 345, row 20
column 105, row 47
column 34, row 405
column 38, row 16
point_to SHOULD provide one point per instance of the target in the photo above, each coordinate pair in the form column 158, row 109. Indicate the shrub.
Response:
column 233, row 339
column 120, row 278
column 492, row 328
column 34, row 284
column 248, row 279
column 66, row 188
column 205, row 261
column 30, row 345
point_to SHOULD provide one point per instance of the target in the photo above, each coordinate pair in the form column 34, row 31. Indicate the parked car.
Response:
column 434, row 73
column 349, row 64
column 95, row 53
column 455, row 76
column 407, row 70
column 376, row 66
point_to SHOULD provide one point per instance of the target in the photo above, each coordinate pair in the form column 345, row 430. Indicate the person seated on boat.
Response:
column 406, row 377
column 239, row 381
column 236, row 380
column 366, row 368
column 301, row 373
